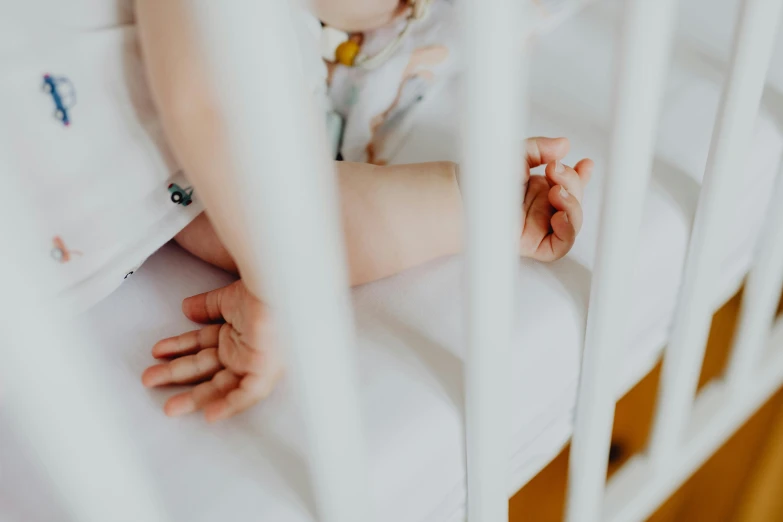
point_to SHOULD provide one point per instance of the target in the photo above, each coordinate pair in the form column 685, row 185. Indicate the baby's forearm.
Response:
column 189, row 113
column 393, row 218
column 397, row 217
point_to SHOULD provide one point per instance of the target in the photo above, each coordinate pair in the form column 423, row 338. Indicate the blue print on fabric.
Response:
column 63, row 94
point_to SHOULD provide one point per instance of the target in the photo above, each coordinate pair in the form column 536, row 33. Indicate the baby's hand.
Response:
column 235, row 361
column 552, row 210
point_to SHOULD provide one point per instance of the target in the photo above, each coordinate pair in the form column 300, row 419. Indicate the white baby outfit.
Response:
column 389, row 92
column 379, row 104
column 78, row 127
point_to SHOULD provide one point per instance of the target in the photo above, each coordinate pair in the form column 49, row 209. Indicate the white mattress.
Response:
column 410, row 327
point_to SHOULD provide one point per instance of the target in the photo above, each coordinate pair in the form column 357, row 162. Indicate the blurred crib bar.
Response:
column 492, row 194
column 289, row 211
column 48, row 386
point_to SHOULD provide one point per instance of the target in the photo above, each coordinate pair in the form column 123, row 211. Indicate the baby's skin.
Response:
column 394, row 217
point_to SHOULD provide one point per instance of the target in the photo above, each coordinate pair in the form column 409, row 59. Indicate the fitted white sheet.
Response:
column 410, row 326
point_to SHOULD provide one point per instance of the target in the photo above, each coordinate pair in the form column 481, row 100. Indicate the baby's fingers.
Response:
column 187, row 343
column 188, row 369
column 252, row 389
column 585, row 170
column 573, row 179
column 209, row 306
column 540, row 151
column 219, row 386
column 565, row 224
column 571, row 214
column 559, row 242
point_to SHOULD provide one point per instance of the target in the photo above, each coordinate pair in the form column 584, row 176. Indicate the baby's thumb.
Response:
column 205, row 308
column 540, row 151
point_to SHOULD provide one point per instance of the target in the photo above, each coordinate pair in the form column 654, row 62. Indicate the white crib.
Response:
column 93, row 460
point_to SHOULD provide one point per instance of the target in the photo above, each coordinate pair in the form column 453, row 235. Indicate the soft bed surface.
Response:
column 410, row 327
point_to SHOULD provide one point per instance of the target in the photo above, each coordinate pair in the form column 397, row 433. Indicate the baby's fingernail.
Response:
column 563, row 193
column 559, row 168
column 565, row 216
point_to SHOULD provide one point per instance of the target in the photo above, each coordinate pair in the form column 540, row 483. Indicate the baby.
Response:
column 394, row 217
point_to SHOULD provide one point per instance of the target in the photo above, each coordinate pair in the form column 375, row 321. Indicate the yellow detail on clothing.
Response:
column 346, row 52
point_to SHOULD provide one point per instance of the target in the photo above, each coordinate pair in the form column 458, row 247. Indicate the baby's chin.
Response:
column 357, row 15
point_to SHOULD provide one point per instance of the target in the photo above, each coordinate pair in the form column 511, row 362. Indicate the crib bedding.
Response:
column 410, row 327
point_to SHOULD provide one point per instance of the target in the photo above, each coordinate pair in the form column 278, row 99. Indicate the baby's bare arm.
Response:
column 400, row 216
column 188, row 110
column 394, row 218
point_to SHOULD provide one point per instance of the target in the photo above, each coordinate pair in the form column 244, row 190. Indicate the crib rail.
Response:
column 755, row 36
column 759, row 300
column 684, row 432
column 492, row 193
column 645, row 48
column 289, row 210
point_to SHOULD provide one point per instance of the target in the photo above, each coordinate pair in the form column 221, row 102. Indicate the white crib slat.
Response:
column 760, row 298
column 642, row 67
column 289, row 205
column 492, row 190
column 47, row 385
column 753, row 43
